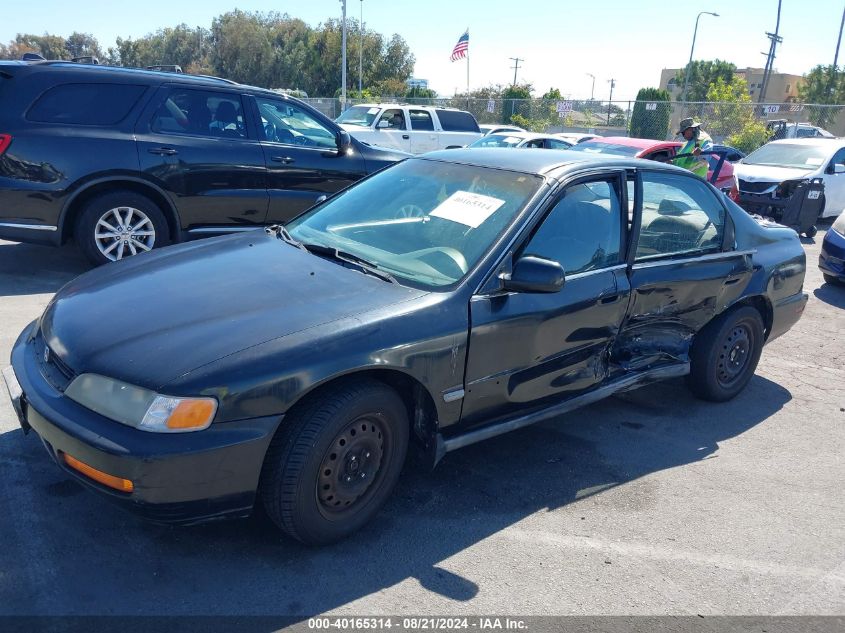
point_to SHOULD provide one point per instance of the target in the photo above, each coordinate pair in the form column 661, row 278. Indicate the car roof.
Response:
column 639, row 143
column 538, row 162
column 825, row 141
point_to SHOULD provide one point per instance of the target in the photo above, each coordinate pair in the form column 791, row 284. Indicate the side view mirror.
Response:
column 343, row 141
column 839, row 168
column 534, row 274
column 382, row 124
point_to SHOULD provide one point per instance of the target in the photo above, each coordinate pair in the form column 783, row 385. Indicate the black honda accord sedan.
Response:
column 442, row 301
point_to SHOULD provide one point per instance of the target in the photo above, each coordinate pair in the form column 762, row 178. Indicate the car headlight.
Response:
column 839, row 225
column 141, row 408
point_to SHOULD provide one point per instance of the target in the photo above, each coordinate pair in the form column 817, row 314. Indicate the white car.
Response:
column 410, row 128
column 575, row 137
column 522, row 139
column 487, row 128
column 760, row 175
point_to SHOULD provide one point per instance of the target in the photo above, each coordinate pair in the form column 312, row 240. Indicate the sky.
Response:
column 560, row 41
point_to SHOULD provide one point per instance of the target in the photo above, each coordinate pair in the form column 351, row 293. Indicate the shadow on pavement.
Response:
column 833, row 294
column 28, row 269
column 68, row 551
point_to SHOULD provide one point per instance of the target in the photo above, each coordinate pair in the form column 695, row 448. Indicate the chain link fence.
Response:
column 745, row 126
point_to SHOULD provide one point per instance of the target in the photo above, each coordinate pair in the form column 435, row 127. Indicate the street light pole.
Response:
column 691, row 50
column 361, row 56
column 593, row 89
column 612, row 83
column 343, row 60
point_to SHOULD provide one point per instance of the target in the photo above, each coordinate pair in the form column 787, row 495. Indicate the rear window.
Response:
column 85, row 104
column 457, row 121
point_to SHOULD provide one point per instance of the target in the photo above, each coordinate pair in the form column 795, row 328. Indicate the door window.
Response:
column 285, row 122
column 680, row 217
column 838, row 159
column 200, row 113
column 554, row 144
column 395, row 119
column 583, row 230
column 85, row 104
column 421, row 120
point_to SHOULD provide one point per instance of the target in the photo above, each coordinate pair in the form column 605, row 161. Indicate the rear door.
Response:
column 423, row 135
column 300, row 151
column 684, row 268
column 196, row 145
column 459, row 128
column 528, row 348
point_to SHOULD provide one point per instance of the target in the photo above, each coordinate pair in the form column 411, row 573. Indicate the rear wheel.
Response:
column 120, row 224
column 831, row 279
column 811, row 232
column 725, row 354
column 335, row 461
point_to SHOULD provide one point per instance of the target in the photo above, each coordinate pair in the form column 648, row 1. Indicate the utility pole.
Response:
column 515, row 66
column 770, row 62
column 839, row 41
column 612, row 83
column 343, row 60
column 361, row 56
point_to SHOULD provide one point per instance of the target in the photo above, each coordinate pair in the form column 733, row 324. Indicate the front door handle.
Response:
column 406, row 136
column 285, row 160
column 162, row 151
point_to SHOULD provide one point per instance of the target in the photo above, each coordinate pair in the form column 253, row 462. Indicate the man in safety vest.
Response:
column 697, row 141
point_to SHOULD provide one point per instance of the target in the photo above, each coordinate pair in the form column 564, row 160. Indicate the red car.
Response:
column 651, row 149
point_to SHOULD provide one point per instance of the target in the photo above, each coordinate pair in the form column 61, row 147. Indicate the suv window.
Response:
column 85, row 104
column 421, row 120
column 680, row 216
column 582, row 231
column 200, row 113
column 395, row 119
column 284, row 122
column 457, row 121
column 838, row 159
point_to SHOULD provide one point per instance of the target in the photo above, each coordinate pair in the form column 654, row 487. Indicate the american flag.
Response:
column 461, row 48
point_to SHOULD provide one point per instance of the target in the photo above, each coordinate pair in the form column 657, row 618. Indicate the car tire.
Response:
column 811, row 232
column 725, row 354
column 103, row 234
column 335, row 460
column 830, row 279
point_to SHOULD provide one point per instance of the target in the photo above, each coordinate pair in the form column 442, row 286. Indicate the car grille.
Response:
column 54, row 370
column 754, row 187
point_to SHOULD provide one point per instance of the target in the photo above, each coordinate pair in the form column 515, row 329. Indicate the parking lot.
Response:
column 648, row 503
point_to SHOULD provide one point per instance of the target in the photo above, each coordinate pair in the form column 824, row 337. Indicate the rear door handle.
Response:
column 730, row 281
column 406, row 136
column 162, row 151
column 286, row 160
column 609, row 298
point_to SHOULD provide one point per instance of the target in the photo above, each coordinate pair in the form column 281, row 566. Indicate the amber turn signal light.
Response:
column 190, row 414
column 123, row 485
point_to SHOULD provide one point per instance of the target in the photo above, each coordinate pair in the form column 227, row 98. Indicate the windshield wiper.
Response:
column 366, row 266
column 283, row 234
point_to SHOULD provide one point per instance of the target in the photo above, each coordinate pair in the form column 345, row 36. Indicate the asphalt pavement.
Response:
column 652, row 502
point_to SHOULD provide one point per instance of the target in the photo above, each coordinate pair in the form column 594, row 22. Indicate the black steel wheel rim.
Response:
column 734, row 355
column 352, row 467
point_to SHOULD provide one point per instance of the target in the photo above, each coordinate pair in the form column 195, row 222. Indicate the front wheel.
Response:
column 335, row 461
column 831, row 279
column 725, row 354
column 120, row 224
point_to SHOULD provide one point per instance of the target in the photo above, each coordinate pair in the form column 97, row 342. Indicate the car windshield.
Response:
column 425, row 222
column 789, row 155
column 613, row 149
column 358, row 115
column 497, row 140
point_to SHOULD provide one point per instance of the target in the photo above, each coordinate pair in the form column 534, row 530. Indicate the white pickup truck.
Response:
column 410, row 128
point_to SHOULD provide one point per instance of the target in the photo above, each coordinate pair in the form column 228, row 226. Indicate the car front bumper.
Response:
column 832, row 257
column 177, row 478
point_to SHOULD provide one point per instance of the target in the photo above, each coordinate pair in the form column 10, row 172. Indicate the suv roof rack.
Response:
column 166, row 68
column 86, row 59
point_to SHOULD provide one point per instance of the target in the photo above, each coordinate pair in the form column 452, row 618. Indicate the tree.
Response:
column 733, row 116
column 83, row 44
column 647, row 123
column 517, row 101
column 552, row 95
column 823, row 85
column 701, row 75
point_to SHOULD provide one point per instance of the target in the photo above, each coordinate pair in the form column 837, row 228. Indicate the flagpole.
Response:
column 467, row 69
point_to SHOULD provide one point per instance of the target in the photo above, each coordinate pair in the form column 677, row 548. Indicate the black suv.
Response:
column 123, row 160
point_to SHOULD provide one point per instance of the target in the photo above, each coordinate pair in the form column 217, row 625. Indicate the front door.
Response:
column 684, row 271
column 834, row 186
column 392, row 130
column 303, row 162
column 195, row 145
column 532, row 348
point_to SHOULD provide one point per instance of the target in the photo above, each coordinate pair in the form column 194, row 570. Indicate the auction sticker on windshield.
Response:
column 465, row 207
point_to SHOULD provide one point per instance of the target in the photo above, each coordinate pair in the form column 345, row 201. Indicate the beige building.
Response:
column 783, row 88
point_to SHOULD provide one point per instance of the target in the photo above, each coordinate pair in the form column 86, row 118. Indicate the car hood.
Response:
column 765, row 173
column 150, row 319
